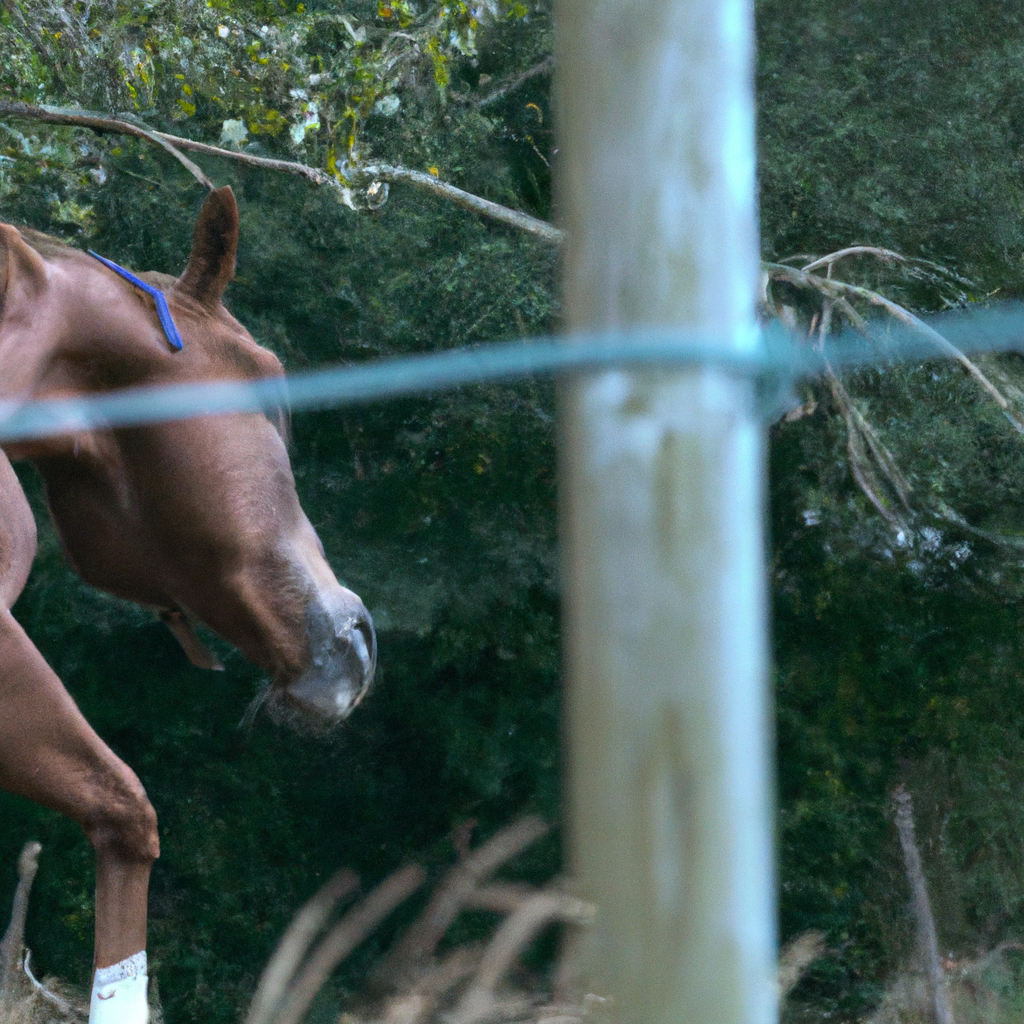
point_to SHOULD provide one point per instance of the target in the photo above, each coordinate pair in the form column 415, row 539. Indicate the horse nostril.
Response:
column 365, row 631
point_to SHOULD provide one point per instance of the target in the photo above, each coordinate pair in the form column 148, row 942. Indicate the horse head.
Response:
column 198, row 518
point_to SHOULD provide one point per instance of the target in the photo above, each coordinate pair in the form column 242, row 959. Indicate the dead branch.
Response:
column 421, row 939
column 926, row 936
column 512, row 937
column 466, row 200
column 43, row 992
column 546, row 65
column 883, row 456
column 861, row 470
column 294, row 944
column 853, row 250
column 835, row 289
column 417, row 1004
column 796, row 956
column 368, row 173
column 84, row 119
column 857, row 431
column 14, row 937
column 499, row 897
column 355, row 926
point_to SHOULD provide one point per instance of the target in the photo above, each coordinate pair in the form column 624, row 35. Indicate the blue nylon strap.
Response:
column 162, row 309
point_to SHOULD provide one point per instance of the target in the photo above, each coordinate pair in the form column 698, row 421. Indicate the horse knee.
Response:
column 124, row 825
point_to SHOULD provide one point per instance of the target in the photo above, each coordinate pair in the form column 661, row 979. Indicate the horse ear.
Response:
column 21, row 268
column 211, row 264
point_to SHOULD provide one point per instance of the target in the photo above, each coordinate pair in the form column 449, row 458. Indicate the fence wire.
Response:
column 770, row 355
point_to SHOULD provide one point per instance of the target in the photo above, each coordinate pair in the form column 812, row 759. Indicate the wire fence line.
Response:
column 771, row 355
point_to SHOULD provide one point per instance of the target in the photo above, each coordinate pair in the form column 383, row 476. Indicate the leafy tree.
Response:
column 897, row 618
column 440, row 511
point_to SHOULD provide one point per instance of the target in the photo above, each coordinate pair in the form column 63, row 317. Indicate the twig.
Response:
column 853, row 250
column 415, row 1005
column 858, row 465
column 796, row 956
column 294, row 944
column 82, row 119
column 926, row 937
column 913, row 265
column 546, row 65
column 422, row 937
column 834, row 289
column 500, row 897
column 858, row 430
column 355, row 926
column 362, row 172
column 313, row 174
column 948, row 515
column 466, row 200
column 14, row 937
column 510, row 939
column 40, row 989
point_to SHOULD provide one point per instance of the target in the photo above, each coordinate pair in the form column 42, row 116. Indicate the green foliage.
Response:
column 306, row 76
column 894, row 125
column 439, row 512
column 896, row 656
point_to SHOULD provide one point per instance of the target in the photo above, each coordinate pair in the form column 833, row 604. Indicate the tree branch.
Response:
column 366, row 172
column 928, row 945
column 836, row 289
column 14, row 937
column 295, row 943
column 468, row 201
column 83, row 119
column 546, row 65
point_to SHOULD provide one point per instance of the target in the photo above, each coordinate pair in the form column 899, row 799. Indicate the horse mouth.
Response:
column 342, row 661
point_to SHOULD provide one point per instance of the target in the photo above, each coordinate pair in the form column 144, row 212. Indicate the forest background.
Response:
column 897, row 639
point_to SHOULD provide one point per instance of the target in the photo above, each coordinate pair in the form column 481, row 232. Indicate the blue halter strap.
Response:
column 162, row 309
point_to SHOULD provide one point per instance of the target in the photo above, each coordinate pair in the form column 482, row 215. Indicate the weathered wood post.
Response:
column 668, row 723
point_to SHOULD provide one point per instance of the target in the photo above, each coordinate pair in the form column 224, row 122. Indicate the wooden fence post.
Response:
column 667, row 713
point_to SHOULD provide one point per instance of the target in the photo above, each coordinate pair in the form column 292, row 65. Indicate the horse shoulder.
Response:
column 17, row 535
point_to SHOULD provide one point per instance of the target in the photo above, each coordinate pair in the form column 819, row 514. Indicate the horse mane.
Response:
column 44, row 244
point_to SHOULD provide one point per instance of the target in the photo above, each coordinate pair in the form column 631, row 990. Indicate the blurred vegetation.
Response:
column 896, row 652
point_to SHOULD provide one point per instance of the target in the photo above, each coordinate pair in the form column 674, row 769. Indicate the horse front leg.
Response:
column 50, row 754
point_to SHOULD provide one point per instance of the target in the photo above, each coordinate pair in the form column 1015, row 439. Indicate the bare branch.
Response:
column 466, row 200
column 926, row 937
column 81, row 119
column 917, row 263
column 796, row 956
column 858, row 457
column 855, row 420
column 313, row 174
column 14, row 937
column 51, row 997
column 422, row 937
column 417, row 1004
column 355, row 926
column 358, row 174
column 295, row 942
column 500, row 897
column 834, row 289
column 509, row 941
column 853, row 250
column 546, row 65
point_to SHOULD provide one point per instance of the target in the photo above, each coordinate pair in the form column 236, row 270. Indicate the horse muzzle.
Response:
column 342, row 649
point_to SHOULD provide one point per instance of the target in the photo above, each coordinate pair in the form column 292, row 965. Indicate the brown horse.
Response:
column 197, row 519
